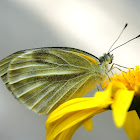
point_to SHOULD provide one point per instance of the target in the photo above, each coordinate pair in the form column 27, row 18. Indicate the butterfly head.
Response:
column 107, row 58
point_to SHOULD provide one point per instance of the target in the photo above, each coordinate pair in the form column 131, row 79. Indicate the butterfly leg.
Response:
column 102, row 87
column 108, row 75
column 117, row 67
column 97, row 85
column 111, row 68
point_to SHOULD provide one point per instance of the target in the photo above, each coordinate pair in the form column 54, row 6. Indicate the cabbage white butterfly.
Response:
column 44, row 78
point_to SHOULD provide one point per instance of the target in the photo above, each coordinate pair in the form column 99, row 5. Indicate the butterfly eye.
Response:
column 108, row 58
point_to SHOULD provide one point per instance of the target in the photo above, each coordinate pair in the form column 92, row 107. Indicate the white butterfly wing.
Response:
column 44, row 78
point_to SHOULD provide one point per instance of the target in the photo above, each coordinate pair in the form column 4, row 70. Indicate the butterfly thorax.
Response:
column 103, row 67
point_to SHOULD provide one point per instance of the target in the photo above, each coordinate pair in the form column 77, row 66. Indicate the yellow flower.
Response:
column 126, row 104
column 130, row 80
column 122, row 96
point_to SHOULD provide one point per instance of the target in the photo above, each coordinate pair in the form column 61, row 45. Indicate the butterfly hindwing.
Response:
column 44, row 78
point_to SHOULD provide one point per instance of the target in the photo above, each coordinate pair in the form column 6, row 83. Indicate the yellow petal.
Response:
column 117, row 86
column 70, row 106
column 88, row 125
column 79, row 104
column 68, row 121
column 132, row 125
column 72, row 114
column 67, row 134
column 120, row 106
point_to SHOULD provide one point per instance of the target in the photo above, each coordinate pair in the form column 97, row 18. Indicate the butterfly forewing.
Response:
column 44, row 78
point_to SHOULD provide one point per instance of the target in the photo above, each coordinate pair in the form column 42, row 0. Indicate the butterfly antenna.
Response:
column 125, row 43
column 118, row 37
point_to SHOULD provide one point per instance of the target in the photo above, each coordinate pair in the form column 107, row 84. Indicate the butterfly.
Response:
column 44, row 78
